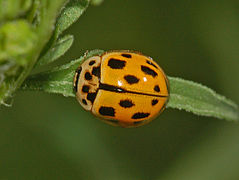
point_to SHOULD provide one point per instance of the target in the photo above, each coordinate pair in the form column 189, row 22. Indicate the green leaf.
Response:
column 58, row 80
column 71, row 12
column 184, row 95
column 59, row 49
column 200, row 100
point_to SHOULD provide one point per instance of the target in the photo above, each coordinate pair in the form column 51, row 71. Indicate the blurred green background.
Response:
column 46, row 136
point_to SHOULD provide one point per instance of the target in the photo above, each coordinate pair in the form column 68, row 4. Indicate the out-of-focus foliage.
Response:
column 96, row 2
column 19, row 36
column 14, row 45
column 10, row 9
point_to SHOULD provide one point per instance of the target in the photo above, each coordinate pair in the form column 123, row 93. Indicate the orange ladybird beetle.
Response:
column 123, row 88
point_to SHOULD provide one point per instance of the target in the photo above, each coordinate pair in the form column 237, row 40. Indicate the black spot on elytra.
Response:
column 107, row 111
column 92, row 62
column 148, row 71
column 88, row 76
column 96, row 71
column 156, row 88
column 152, row 64
column 126, row 55
column 126, row 103
column 91, row 97
column 154, row 101
column 131, row 79
column 140, row 115
column 85, row 89
column 116, row 63
column 84, row 101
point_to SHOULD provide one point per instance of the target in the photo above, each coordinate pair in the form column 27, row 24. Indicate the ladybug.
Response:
column 123, row 88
